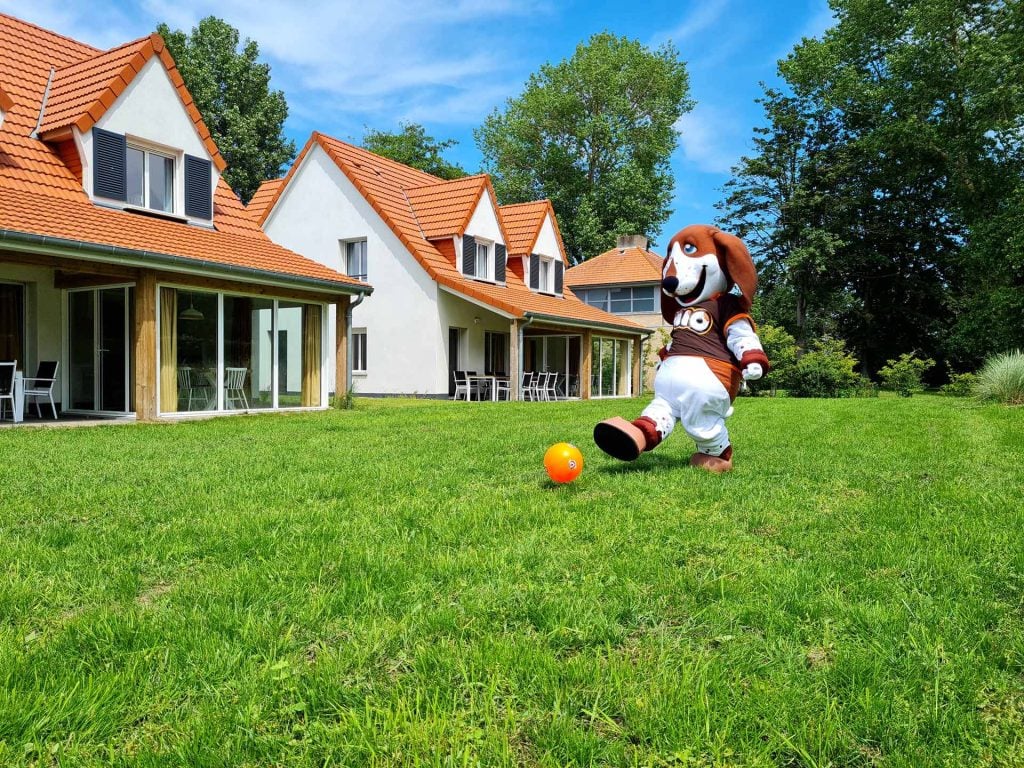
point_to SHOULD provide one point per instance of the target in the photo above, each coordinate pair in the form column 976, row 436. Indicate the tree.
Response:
column 231, row 90
column 594, row 134
column 908, row 158
column 413, row 147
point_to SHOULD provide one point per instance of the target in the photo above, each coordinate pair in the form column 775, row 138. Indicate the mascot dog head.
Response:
column 703, row 262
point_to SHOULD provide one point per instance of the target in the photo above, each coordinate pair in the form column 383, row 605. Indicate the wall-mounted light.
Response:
column 476, row 321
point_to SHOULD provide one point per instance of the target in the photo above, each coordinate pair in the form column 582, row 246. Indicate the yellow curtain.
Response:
column 310, row 355
column 168, row 350
column 625, row 368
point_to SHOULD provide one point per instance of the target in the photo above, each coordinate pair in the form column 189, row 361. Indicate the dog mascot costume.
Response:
column 708, row 283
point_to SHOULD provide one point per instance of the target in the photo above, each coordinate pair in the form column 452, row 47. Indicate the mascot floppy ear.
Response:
column 738, row 265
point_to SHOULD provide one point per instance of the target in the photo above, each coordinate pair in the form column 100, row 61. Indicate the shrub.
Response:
column 781, row 349
column 1001, row 379
column 903, row 376
column 865, row 387
column 960, row 385
column 827, row 370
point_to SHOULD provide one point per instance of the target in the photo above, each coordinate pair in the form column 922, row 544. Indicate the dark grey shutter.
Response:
column 535, row 271
column 198, row 188
column 559, row 266
column 110, row 165
column 499, row 263
column 469, row 255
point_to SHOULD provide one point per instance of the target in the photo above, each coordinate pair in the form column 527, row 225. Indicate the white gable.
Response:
column 484, row 222
column 150, row 109
column 547, row 241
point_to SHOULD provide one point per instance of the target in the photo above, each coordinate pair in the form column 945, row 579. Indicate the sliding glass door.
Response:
column 99, row 349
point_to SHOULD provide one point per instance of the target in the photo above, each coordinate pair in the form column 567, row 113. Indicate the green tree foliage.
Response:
column 231, row 89
column 903, row 375
column 413, row 147
column 886, row 188
column 781, row 349
column 827, row 370
column 593, row 133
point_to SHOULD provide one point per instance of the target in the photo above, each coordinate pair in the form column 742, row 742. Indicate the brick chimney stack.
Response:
column 622, row 242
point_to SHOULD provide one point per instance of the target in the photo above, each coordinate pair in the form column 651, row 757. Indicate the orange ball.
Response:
column 563, row 462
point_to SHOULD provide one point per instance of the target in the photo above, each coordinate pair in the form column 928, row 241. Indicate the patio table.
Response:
column 491, row 381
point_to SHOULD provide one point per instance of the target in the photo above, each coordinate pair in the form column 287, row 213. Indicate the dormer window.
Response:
column 483, row 259
column 546, row 273
column 150, row 179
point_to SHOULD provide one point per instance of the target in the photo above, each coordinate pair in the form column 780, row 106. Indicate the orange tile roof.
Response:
column 5, row 101
column 524, row 221
column 444, row 208
column 385, row 184
column 82, row 92
column 262, row 198
column 40, row 196
column 619, row 266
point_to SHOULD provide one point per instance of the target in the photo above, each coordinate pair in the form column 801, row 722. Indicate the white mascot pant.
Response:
column 686, row 389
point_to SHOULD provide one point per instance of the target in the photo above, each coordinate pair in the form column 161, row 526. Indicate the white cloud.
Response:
column 704, row 17
column 711, row 139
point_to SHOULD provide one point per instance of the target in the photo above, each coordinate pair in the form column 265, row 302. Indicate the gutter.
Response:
column 587, row 324
column 11, row 240
column 348, row 342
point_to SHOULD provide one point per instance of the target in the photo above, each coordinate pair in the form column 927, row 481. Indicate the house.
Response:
column 625, row 281
column 126, row 257
column 459, row 282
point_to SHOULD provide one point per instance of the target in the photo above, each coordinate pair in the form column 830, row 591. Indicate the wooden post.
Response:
column 585, row 366
column 145, row 347
column 638, row 357
column 341, row 362
column 515, row 374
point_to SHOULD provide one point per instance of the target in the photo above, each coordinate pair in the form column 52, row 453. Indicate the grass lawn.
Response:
column 402, row 585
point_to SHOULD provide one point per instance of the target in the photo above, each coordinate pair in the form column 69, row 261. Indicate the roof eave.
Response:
column 11, row 239
column 630, row 329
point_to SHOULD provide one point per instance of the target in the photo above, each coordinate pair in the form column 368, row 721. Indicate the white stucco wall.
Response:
column 456, row 312
column 483, row 224
column 406, row 342
column 45, row 313
column 547, row 243
column 150, row 112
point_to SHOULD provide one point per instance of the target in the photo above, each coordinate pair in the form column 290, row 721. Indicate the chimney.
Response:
column 622, row 242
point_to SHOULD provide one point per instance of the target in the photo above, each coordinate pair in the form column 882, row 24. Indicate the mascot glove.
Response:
column 754, row 364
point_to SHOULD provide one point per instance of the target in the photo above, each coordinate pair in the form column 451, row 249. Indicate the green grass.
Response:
column 401, row 585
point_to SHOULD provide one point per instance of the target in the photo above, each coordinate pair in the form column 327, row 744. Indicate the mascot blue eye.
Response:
column 689, row 249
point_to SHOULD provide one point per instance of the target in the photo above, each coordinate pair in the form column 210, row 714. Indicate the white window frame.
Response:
column 346, row 258
column 357, row 347
column 484, row 250
column 547, row 275
column 166, row 154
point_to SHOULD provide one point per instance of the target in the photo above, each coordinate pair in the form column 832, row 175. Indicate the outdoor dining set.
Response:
column 19, row 390
column 536, row 385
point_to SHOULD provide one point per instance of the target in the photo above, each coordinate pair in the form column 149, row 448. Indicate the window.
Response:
column 150, row 180
column 620, row 301
column 495, row 354
column 12, row 323
column 358, row 350
column 355, row 259
column 483, row 261
column 547, row 276
column 609, row 367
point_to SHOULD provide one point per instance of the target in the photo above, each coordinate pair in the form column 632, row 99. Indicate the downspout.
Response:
column 348, row 340
column 522, row 353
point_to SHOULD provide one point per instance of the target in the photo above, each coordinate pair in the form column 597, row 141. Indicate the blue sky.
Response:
column 345, row 66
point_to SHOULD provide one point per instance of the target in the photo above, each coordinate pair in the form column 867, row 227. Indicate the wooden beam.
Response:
column 145, row 347
column 638, row 356
column 585, row 368
column 70, row 265
column 341, row 361
column 62, row 279
column 515, row 374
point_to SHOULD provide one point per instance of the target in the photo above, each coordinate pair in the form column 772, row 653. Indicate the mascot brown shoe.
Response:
column 716, row 464
column 626, row 440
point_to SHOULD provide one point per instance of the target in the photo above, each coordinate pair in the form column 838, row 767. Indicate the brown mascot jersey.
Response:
column 700, row 331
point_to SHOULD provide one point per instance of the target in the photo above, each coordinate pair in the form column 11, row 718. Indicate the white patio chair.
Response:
column 461, row 386
column 551, row 386
column 193, row 386
column 527, row 386
column 502, row 386
column 7, row 369
column 41, row 386
column 234, row 388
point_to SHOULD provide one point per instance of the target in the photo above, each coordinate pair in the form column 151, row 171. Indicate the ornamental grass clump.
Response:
column 1002, row 379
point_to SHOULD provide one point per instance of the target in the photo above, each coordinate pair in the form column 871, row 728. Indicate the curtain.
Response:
column 310, row 355
column 625, row 367
column 168, row 350
column 12, row 316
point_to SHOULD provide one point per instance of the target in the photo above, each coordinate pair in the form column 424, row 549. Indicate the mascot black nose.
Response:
column 670, row 283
